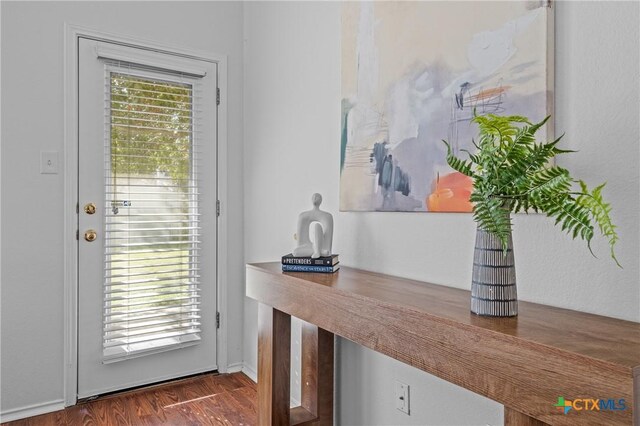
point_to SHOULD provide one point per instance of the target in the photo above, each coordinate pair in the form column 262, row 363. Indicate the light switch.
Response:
column 49, row 162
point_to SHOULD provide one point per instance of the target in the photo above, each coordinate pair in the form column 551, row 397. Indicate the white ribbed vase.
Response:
column 493, row 282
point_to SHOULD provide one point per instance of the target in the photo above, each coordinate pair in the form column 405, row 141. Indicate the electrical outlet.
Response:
column 402, row 397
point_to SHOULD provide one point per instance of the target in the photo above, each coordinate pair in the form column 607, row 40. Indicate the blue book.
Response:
column 310, row 268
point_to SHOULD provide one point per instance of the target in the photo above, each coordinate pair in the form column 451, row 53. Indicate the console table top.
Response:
column 526, row 362
column 604, row 338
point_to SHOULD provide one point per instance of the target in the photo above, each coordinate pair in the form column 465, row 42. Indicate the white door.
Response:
column 147, row 254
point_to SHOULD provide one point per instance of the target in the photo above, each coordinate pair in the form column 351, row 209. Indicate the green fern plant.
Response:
column 511, row 173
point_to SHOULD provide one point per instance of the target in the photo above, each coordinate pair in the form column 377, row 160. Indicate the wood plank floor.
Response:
column 211, row 399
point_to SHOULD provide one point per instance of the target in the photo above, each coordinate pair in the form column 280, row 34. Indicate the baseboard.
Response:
column 31, row 410
column 246, row 369
column 234, row 368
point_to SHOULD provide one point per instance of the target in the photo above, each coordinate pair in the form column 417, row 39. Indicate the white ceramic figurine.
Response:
column 323, row 231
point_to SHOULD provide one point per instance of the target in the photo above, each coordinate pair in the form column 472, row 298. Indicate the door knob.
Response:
column 90, row 208
column 90, row 235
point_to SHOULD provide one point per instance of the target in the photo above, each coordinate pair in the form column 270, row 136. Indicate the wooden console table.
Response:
column 524, row 363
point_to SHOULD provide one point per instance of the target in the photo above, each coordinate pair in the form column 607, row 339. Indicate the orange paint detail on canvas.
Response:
column 450, row 193
column 486, row 94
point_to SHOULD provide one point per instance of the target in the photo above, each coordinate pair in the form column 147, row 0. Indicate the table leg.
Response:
column 274, row 365
column 317, row 373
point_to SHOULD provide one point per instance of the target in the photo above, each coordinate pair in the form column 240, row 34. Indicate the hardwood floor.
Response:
column 212, row 399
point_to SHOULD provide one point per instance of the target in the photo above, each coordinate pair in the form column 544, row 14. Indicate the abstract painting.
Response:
column 414, row 74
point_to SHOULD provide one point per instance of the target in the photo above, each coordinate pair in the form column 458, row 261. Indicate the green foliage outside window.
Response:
column 151, row 124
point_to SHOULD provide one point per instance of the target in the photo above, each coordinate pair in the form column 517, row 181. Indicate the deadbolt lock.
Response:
column 90, row 208
column 90, row 235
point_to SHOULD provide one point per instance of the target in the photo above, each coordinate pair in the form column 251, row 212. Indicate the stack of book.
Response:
column 326, row 264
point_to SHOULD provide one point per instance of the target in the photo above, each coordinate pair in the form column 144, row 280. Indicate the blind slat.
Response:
column 149, row 295
column 139, row 193
column 116, row 319
column 147, row 149
column 174, row 198
column 163, row 214
column 163, row 179
column 119, row 315
column 149, row 322
column 142, row 281
column 139, row 222
column 144, row 98
column 109, row 103
column 177, row 301
column 114, row 289
column 155, row 157
column 144, row 237
column 129, row 120
column 189, row 257
column 115, row 106
column 174, row 88
column 193, row 264
column 159, row 250
column 178, row 228
column 177, row 98
column 154, row 244
column 108, row 343
column 186, row 322
column 175, row 131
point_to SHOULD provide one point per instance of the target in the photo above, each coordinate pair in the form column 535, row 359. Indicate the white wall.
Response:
column 32, row 204
column 292, row 133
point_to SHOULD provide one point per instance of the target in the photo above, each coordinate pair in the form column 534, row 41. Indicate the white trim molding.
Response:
column 249, row 371
column 222, row 356
column 31, row 410
column 236, row 367
column 70, row 171
column 71, row 35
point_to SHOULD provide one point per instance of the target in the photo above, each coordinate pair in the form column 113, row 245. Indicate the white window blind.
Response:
column 151, row 218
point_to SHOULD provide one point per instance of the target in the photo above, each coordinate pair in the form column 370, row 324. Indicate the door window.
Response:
column 152, row 232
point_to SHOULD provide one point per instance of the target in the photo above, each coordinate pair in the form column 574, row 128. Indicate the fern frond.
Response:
column 525, row 137
column 600, row 212
column 548, row 182
column 493, row 217
column 534, row 127
column 497, row 126
column 517, row 119
column 517, row 148
column 573, row 217
column 472, row 157
column 537, row 158
column 457, row 164
column 541, row 154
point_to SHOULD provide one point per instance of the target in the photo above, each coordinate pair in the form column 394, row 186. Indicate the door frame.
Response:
column 72, row 33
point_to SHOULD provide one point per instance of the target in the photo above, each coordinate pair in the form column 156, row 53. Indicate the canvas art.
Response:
column 413, row 74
